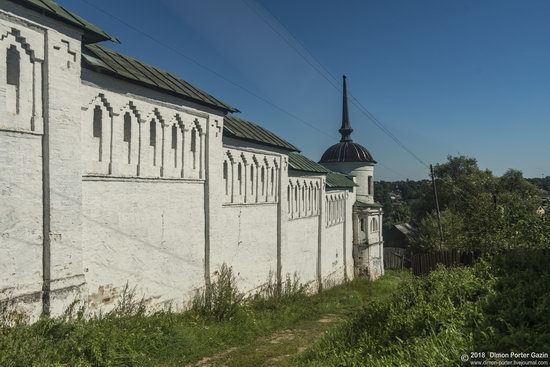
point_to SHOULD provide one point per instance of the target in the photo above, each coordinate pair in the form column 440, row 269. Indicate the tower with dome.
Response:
column 354, row 160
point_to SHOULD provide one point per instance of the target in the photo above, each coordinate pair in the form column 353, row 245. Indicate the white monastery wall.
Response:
column 337, row 238
column 300, row 255
column 105, row 183
column 21, row 223
column 21, row 130
column 149, row 234
column 249, row 245
column 250, row 189
column 332, row 259
column 143, row 195
column 43, row 60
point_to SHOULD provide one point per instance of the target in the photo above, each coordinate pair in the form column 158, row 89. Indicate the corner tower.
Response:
column 354, row 159
column 351, row 158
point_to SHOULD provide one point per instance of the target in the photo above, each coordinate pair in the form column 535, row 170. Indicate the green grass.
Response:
column 331, row 308
column 129, row 337
column 501, row 304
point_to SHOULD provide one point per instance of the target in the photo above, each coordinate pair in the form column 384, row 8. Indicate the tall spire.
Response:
column 346, row 129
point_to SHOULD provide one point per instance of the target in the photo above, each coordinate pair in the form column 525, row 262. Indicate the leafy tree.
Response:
column 427, row 236
column 480, row 211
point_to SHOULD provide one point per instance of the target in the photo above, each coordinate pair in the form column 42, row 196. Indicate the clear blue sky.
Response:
column 446, row 77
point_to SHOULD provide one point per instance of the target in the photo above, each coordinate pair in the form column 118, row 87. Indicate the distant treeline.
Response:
column 476, row 207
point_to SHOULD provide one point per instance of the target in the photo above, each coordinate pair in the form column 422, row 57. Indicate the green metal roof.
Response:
column 235, row 127
column 337, row 180
column 103, row 59
column 374, row 205
column 52, row 9
column 299, row 162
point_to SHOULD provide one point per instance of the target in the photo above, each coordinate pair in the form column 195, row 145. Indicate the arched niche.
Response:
column 126, row 135
column 96, row 123
column 20, row 84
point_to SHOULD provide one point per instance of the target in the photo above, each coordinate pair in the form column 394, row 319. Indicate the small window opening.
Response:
column 239, row 178
column 97, row 128
column 252, row 179
column 193, row 146
column 152, row 133
column 193, row 140
column 288, row 198
column 296, row 198
column 263, row 181
column 13, row 75
column 174, row 137
column 97, row 122
column 127, row 128
column 272, row 181
column 127, row 136
column 12, row 66
column 370, row 185
column 175, row 144
column 153, row 139
column 225, row 178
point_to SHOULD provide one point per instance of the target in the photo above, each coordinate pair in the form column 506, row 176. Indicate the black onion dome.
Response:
column 347, row 151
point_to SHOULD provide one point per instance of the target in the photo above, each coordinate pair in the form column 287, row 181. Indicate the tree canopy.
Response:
column 478, row 210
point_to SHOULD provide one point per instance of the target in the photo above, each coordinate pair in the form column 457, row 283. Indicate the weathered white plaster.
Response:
column 147, row 233
column 21, row 219
column 106, row 183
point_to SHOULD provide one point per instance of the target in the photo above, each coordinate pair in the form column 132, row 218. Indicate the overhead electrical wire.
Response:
column 245, row 89
column 199, row 64
column 317, row 66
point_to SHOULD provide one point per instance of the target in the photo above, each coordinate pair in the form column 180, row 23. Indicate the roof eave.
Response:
column 233, row 136
column 100, row 70
column 89, row 36
column 308, row 171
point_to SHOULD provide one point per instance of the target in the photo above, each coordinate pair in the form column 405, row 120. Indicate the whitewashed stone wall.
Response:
column 143, row 195
column 303, row 208
column 149, row 234
column 105, row 183
column 21, row 224
column 337, row 241
column 251, row 191
column 42, row 58
column 369, row 243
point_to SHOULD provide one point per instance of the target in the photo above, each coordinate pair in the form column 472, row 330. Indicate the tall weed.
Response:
column 221, row 299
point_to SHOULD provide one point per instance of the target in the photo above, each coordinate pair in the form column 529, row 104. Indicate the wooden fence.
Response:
column 396, row 258
column 424, row 263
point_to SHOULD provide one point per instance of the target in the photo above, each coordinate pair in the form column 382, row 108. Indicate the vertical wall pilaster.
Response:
column 321, row 230
column 282, row 216
column 63, row 272
column 213, row 191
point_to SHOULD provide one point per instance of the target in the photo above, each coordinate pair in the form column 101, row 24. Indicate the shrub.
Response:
column 423, row 323
column 269, row 297
column 221, row 299
column 500, row 304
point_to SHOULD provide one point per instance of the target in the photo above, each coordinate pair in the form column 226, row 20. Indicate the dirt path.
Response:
column 334, row 307
column 275, row 349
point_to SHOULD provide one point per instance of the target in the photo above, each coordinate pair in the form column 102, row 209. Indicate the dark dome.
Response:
column 347, row 151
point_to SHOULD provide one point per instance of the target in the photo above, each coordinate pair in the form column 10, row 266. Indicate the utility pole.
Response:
column 437, row 207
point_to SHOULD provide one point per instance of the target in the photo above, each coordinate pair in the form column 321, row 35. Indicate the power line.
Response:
column 221, row 76
column 323, row 71
column 304, row 57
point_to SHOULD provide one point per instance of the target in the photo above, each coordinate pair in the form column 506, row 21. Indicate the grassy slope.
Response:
column 501, row 304
column 332, row 307
column 169, row 339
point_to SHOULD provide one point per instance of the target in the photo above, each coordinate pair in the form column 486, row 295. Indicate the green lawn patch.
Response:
column 130, row 337
column 499, row 305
